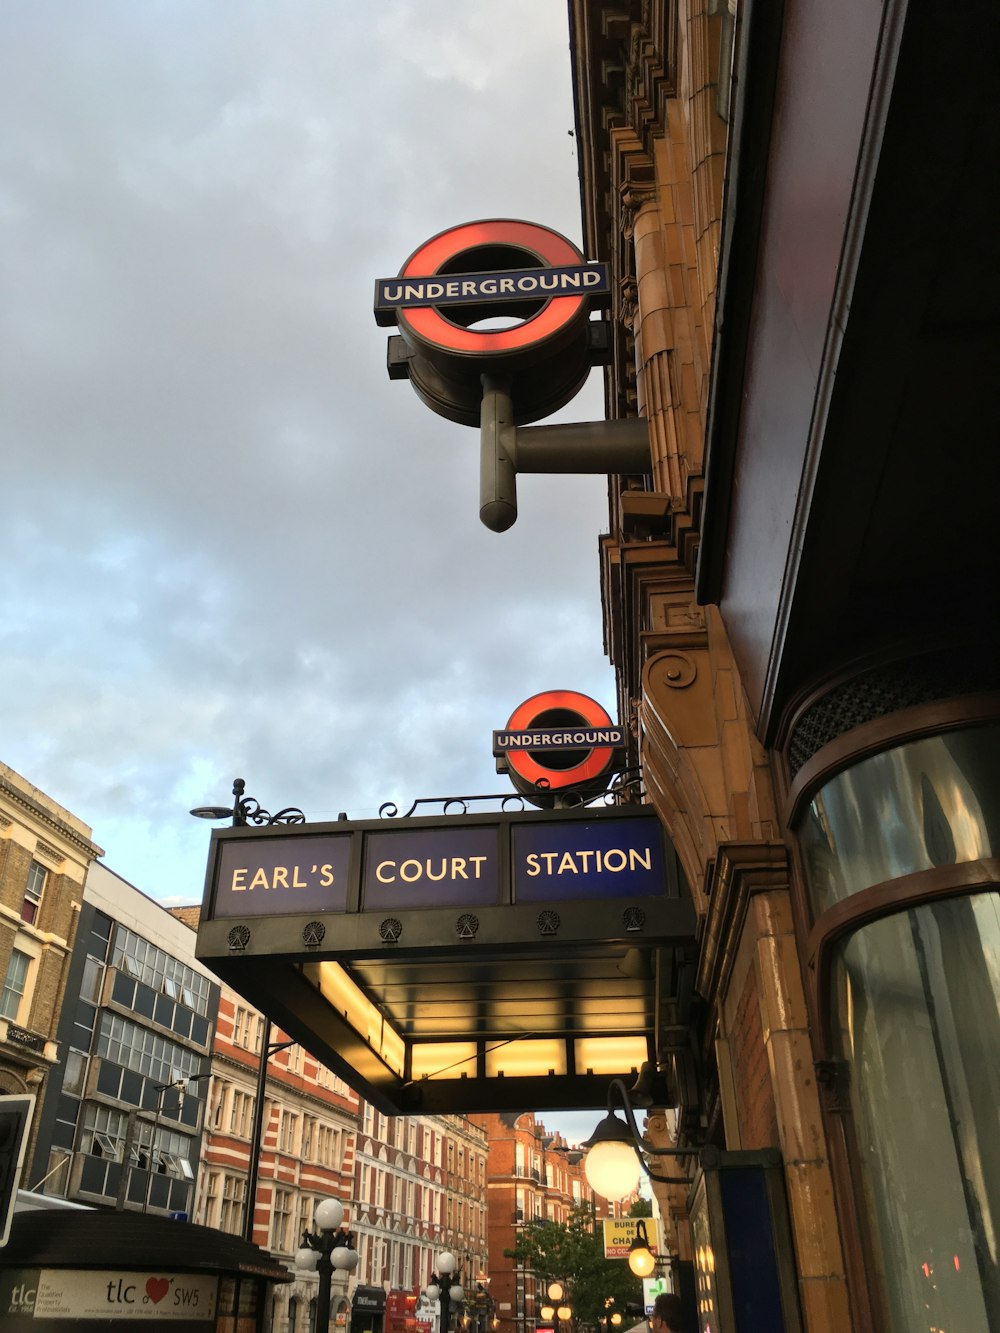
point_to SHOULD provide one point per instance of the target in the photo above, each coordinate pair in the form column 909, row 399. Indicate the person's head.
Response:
column 668, row 1314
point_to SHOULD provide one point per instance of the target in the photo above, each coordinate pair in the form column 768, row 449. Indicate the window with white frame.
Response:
column 221, row 1091
column 242, row 1024
column 231, row 1213
column 308, row 1137
column 33, row 890
column 213, row 1197
column 281, row 1217
column 240, row 1114
column 15, row 984
column 287, row 1132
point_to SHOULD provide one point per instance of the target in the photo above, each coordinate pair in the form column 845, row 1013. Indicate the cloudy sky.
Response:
column 230, row 546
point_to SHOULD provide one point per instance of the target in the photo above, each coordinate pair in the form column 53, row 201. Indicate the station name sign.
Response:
column 446, row 863
column 503, row 285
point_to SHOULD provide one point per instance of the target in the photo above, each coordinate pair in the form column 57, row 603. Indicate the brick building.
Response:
column 307, row 1138
column 420, row 1188
column 45, row 852
column 533, row 1176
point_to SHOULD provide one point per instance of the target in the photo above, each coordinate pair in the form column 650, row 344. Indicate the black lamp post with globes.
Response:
column 445, row 1287
column 329, row 1247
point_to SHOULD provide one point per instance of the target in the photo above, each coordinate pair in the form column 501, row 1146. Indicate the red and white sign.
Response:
column 531, row 767
column 429, row 327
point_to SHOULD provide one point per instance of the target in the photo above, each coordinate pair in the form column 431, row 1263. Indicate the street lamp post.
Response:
column 558, row 1307
column 445, row 1286
column 267, row 1049
column 161, row 1089
column 246, row 810
column 329, row 1247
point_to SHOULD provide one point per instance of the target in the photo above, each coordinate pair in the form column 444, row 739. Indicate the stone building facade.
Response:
column 810, row 683
column 45, row 852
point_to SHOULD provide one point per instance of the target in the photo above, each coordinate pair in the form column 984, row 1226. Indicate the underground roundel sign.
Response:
column 559, row 742
column 500, row 297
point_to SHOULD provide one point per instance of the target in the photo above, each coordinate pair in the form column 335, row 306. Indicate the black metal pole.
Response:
column 257, row 1129
column 253, row 1170
column 325, row 1270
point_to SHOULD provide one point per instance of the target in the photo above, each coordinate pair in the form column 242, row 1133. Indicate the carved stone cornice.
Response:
column 38, row 813
column 741, row 870
column 634, row 196
column 628, row 302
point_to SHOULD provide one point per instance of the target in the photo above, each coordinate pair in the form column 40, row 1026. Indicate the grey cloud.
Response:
column 230, row 545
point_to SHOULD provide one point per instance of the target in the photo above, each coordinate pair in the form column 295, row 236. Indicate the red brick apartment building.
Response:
column 307, row 1146
column 533, row 1175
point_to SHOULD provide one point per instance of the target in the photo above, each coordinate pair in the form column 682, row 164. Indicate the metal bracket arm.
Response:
column 583, row 447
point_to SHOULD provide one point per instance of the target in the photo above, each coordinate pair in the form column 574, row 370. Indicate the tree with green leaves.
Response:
column 573, row 1253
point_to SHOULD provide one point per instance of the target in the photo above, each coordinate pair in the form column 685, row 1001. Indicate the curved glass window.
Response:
column 917, row 996
column 927, row 803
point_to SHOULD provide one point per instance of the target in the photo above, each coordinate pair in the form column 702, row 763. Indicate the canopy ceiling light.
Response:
column 616, row 1152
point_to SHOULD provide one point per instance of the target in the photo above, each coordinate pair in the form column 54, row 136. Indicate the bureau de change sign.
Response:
column 456, row 963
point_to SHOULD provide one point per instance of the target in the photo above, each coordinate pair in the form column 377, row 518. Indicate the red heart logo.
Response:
column 157, row 1288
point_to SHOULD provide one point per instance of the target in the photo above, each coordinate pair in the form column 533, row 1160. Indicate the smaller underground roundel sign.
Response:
column 453, row 293
column 557, row 742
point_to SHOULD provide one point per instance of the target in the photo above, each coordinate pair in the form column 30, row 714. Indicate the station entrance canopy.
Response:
column 458, row 963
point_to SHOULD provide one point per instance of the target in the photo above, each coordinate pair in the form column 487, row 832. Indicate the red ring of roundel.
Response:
column 527, row 766
column 431, row 327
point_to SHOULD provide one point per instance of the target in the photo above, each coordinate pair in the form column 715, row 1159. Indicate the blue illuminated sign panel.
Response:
column 609, row 858
column 449, row 863
column 440, row 867
column 275, row 876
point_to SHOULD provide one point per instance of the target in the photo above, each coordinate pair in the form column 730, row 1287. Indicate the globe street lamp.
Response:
column 329, row 1247
column 558, row 1306
column 616, row 1152
column 445, row 1287
column 641, row 1259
